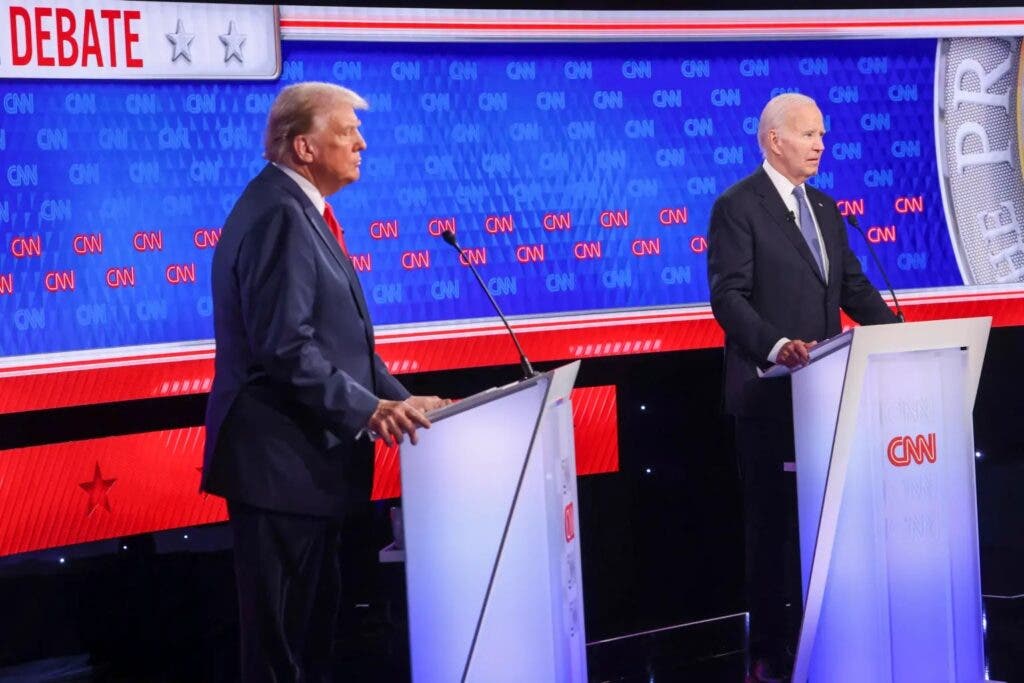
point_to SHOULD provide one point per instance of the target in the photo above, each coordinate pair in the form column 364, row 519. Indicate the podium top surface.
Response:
column 931, row 334
column 819, row 350
column 494, row 393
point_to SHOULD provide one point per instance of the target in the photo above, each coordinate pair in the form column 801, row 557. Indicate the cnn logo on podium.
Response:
column 903, row 450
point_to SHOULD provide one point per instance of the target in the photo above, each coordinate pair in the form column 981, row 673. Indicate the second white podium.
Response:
column 887, row 506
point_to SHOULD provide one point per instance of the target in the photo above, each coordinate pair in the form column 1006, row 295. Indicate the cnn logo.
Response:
column 903, row 450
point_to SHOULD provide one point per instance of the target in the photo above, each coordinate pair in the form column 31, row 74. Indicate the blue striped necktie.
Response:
column 806, row 222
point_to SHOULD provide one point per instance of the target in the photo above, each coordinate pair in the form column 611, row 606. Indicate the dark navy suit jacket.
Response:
column 765, row 285
column 296, row 375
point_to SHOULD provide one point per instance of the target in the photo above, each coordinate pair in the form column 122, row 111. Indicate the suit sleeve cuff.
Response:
column 773, row 355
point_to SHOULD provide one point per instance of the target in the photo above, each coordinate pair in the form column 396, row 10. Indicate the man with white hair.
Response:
column 780, row 269
column 297, row 386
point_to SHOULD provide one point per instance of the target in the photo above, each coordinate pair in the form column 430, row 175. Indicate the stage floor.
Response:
column 374, row 651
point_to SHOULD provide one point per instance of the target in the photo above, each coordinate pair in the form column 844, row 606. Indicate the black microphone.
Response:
column 792, row 216
column 854, row 223
column 528, row 372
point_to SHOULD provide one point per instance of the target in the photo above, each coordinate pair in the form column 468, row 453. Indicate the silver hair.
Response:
column 773, row 116
column 297, row 110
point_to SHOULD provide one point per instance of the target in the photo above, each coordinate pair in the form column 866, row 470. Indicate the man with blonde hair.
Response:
column 780, row 269
column 297, row 386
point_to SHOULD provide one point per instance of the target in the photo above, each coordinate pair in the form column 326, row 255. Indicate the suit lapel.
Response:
column 777, row 211
column 274, row 175
column 324, row 233
column 331, row 244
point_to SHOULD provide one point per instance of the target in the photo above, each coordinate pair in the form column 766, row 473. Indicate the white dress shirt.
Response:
column 785, row 190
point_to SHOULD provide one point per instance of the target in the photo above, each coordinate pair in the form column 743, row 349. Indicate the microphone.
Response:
column 528, row 372
column 792, row 216
column 854, row 223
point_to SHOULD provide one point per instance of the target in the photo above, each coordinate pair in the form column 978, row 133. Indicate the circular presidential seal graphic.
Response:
column 978, row 138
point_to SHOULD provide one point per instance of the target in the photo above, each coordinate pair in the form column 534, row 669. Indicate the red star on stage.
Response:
column 97, row 490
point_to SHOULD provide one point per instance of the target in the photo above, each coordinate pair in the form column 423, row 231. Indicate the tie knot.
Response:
column 329, row 213
column 798, row 192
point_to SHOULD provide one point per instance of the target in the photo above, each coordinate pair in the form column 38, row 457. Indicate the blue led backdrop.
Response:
column 580, row 176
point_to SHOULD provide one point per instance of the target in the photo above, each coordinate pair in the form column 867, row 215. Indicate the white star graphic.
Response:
column 182, row 43
column 233, row 43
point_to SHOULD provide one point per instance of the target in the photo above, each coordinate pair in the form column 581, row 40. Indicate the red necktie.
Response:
column 335, row 227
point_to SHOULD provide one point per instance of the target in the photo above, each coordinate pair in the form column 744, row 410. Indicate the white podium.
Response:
column 492, row 545
column 887, row 506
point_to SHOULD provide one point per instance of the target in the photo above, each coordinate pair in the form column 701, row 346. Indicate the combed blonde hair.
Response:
column 296, row 110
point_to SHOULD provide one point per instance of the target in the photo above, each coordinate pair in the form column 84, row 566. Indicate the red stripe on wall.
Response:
column 61, row 384
column 90, row 490
column 596, row 423
column 95, row 489
column 387, row 480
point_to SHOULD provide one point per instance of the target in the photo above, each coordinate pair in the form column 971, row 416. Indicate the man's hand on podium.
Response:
column 392, row 420
column 427, row 403
column 795, row 353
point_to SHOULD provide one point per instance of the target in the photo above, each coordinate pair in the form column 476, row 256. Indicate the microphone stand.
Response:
column 528, row 371
column 854, row 223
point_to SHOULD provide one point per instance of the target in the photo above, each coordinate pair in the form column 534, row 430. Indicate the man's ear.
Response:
column 302, row 149
column 773, row 141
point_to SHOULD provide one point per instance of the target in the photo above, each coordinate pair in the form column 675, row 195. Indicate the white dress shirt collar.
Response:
column 307, row 187
column 781, row 182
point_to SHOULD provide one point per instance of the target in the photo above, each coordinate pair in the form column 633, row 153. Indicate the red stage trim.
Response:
column 65, row 382
column 81, row 491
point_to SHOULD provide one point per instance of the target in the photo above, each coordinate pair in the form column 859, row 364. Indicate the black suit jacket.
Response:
column 296, row 375
column 765, row 285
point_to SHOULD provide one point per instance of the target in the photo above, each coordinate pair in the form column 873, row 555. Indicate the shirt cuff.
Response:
column 774, row 353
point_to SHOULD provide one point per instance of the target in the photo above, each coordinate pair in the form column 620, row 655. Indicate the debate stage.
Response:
column 661, row 542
